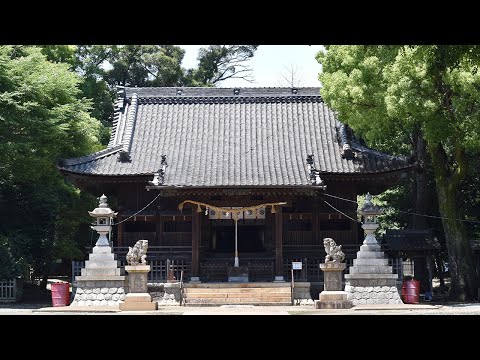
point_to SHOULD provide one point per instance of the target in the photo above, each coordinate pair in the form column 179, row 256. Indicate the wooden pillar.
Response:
column 315, row 221
column 196, row 235
column 278, row 244
column 358, row 236
column 120, row 231
column 159, row 219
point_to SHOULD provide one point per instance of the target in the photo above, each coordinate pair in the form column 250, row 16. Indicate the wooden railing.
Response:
column 8, row 290
column 311, row 268
column 158, row 272
column 215, row 270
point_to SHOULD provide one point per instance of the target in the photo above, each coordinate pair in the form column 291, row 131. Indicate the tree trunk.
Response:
column 464, row 282
column 422, row 203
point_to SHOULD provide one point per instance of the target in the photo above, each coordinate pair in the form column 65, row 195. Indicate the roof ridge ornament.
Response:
column 345, row 136
column 159, row 176
column 124, row 155
column 314, row 174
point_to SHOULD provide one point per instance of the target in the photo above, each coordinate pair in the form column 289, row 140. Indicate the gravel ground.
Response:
column 448, row 309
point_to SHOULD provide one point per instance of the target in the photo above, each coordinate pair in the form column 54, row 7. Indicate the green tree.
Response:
column 145, row 65
column 221, row 62
column 429, row 93
column 42, row 119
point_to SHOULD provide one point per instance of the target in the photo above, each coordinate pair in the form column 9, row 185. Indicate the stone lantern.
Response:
column 103, row 216
column 369, row 211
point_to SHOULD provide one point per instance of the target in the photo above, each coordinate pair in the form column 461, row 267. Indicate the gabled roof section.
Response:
column 229, row 137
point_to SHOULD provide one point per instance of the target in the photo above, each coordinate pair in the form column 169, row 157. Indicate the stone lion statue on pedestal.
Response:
column 138, row 253
column 334, row 251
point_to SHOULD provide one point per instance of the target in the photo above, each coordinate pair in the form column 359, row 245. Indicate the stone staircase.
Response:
column 216, row 294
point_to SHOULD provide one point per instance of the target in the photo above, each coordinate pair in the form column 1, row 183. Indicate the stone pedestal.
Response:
column 332, row 297
column 301, row 294
column 238, row 274
column 371, row 279
column 138, row 297
column 101, row 282
column 171, row 296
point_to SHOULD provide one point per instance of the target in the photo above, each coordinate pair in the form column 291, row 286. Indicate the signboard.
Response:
column 296, row 265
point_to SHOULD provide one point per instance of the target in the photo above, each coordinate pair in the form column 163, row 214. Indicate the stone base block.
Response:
column 362, row 295
column 333, row 300
column 98, row 293
column 333, row 296
column 137, row 297
column 171, row 297
column 341, row 304
column 139, row 306
column 301, row 294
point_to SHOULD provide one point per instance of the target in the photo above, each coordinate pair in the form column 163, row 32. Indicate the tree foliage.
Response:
column 43, row 118
column 391, row 92
column 221, row 62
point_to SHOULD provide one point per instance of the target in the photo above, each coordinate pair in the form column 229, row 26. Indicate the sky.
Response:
column 270, row 63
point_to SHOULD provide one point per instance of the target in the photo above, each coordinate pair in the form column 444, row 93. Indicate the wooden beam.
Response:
column 278, row 243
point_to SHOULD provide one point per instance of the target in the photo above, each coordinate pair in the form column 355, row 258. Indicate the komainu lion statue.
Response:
column 334, row 251
column 138, row 253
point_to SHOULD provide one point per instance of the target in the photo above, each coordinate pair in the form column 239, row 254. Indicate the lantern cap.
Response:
column 369, row 208
column 102, row 210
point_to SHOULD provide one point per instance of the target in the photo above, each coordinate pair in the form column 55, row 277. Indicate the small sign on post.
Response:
column 296, row 265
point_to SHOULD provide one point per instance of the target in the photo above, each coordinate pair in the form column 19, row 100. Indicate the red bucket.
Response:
column 411, row 291
column 60, row 294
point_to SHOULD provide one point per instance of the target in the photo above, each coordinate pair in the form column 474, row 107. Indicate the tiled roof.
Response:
column 229, row 137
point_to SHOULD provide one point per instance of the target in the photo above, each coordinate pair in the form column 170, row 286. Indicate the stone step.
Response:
column 100, row 278
column 230, row 285
column 370, row 255
column 101, row 257
column 371, row 261
column 201, row 304
column 370, row 269
column 243, row 291
column 219, row 294
column 102, row 250
column 226, row 293
column 100, row 271
column 370, row 276
column 239, row 301
column 375, row 248
column 233, row 296
column 89, row 264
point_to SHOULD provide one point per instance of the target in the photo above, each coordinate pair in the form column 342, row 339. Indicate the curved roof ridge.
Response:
column 95, row 156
